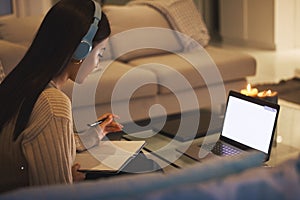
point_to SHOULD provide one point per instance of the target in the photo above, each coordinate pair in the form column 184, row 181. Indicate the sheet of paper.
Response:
column 109, row 155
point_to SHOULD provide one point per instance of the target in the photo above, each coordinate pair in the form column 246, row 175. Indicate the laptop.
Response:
column 249, row 124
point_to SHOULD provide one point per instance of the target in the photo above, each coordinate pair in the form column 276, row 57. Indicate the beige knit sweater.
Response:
column 45, row 151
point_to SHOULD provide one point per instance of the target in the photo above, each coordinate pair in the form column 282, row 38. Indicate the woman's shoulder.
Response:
column 55, row 102
column 51, row 104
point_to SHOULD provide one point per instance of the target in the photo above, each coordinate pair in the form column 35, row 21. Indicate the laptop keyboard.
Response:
column 221, row 149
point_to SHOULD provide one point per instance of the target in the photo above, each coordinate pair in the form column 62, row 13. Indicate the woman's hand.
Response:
column 109, row 124
column 77, row 176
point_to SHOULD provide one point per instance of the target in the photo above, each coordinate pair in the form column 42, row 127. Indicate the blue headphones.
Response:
column 86, row 43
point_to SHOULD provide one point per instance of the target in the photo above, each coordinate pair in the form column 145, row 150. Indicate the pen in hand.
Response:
column 97, row 122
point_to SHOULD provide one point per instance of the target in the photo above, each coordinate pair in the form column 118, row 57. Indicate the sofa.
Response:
column 146, row 71
column 241, row 177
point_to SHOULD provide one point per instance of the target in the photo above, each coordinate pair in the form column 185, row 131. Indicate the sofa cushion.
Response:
column 124, row 18
column 179, row 71
column 183, row 17
column 19, row 30
column 10, row 54
column 232, row 64
column 106, row 82
column 200, row 68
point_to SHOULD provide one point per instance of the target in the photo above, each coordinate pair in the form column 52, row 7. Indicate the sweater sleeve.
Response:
column 88, row 138
column 49, row 155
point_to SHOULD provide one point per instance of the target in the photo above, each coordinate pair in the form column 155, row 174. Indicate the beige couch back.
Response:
column 128, row 40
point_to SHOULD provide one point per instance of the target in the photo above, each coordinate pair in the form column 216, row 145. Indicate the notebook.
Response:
column 249, row 124
column 109, row 156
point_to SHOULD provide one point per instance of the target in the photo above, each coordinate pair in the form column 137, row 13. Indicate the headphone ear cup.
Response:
column 82, row 50
column 86, row 43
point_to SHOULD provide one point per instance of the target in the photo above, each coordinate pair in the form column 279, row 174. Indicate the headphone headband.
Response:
column 86, row 43
column 98, row 12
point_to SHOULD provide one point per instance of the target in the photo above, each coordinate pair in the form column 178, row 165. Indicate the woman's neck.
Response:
column 59, row 81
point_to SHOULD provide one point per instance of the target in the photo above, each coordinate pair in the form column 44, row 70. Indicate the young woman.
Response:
column 37, row 144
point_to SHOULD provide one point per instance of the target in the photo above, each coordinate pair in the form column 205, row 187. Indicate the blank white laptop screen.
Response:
column 249, row 123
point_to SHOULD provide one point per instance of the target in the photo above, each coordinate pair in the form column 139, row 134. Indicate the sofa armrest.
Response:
column 10, row 55
column 19, row 30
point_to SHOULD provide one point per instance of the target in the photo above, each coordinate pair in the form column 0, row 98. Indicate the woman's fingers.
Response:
column 77, row 176
column 108, row 115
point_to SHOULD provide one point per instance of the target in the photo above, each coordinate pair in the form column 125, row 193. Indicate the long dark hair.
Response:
column 49, row 54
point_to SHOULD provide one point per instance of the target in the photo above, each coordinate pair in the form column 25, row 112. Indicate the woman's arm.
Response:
column 51, row 153
column 93, row 135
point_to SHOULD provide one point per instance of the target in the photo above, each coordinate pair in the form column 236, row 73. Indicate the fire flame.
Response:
column 249, row 87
